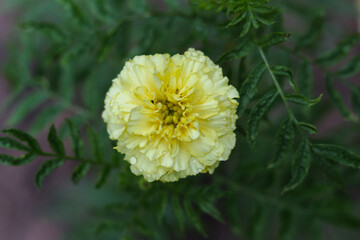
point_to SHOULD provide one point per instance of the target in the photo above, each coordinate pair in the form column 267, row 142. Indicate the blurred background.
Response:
column 27, row 213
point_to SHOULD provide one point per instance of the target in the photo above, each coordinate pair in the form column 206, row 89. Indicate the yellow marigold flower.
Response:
column 172, row 116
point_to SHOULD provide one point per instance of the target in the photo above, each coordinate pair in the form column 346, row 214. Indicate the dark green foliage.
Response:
column 286, row 72
column 350, row 69
column 302, row 100
column 287, row 228
column 257, row 223
column 208, row 207
column 75, row 138
column 274, row 38
column 339, row 52
column 108, row 41
column 338, row 154
column 79, row 172
column 355, row 100
column 103, row 176
column 13, row 161
column 331, row 171
column 23, row 136
column 178, row 211
column 300, row 166
column 11, row 143
column 250, row 13
column 194, row 217
column 55, row 143
column 32, row 101
column 33, row 150
column 249, row 87
column 284, row 139
column 161, row 206
column 336, row 98
column 242, row 50
column 46, row 117
column 74, row 10
column 107, row 226
column 305, row 78
column 310, row 37
column 95, row 144
column 51, row 30
column 309, row 128
column 46, row 169
column 257, row 113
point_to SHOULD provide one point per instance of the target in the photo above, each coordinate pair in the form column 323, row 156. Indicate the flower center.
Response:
column 171, row 112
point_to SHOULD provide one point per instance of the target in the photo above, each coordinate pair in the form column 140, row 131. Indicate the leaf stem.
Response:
column 279, row 89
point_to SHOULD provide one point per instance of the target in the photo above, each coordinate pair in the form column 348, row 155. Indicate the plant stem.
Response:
column 279, row 89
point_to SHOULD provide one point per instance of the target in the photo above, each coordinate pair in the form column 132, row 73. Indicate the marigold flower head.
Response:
column 172, row 116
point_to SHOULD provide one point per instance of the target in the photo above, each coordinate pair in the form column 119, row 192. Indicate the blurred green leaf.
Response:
column 338, row 154
column 178, row 211
column 173, row 4
column 273, row 39
column 242, row 50
column 308, row 127
column 45, row 117
column 55, row 143
column 302, row 100
column 286, row 72
column 11, row 143
column 92, row 98
column 77, row 142
column 257, row 113
column 246, row 28
column 110, row 225
column 340, row 51
column 331, row 171
column 46, row 169
column 311, row 36
column 108, row 41
column 27, row 105
column 140, row 225
column 209, row 208
column 300, row 166
column 95, row 144
column 342, row 218
column 336, row 99
column 12, row 161
column 138, row 6
column 287, row 226
column 194, row 217
column 249, row 87
column 284, row 140
column 257, row 223
column 48, row 29
column 66, row 82
column 74, row 11
column 79, row 172
column 305, row 78
column 162, row 201
column 23, row 136
column 355, row 100
column 351, row 68
column 103, row 176
column 101, row 7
